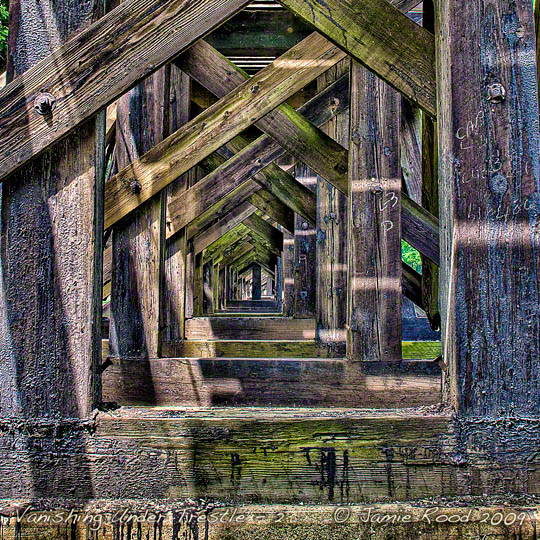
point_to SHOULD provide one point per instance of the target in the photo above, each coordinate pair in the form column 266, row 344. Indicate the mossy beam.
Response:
column 381, row 38
column 320, row 152
column 216, row 126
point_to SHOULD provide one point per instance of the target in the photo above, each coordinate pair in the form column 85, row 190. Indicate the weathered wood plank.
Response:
column 305, row 254
column 380, row 37
column 489, row 186
column 332, row 236
column 51, row 241
column 216, row 126
column 97, row 66
column 430, row 198
column 264, row 229
column 224, row 225
column 256, row 281
column 374, row 241
column 249, row 328
column 138, row 242
column 174, row 274
column 271, row 206
column 288, row 274
column 267, row 382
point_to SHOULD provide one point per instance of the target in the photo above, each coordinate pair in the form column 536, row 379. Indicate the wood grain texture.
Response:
column 411, row 149
column 97, row 66
column 271, row 206
column 380, row 37
column 249, row 328
column 288, row 274
column 51, row 230
column 279, row 382
column 174, row 266
column 305, row 254
column 216, row 126
column 374, row 241
column 138, row 241
column 332, row 235
column 489, row 195
column 430, row 198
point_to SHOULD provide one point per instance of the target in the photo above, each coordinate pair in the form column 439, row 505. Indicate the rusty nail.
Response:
column 496, row 93
column 44, row 103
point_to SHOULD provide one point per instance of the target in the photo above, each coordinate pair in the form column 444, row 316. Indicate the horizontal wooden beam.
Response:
column 216, row 126
column 249, row 328
column 267, row 382
column 96, row 67
column 380, row 37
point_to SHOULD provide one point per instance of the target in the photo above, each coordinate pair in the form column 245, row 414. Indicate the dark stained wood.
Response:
column 249, row 328
column 216, row 126
column 288, row 274
column 269, row 382
column 97, row 66
column 208, row 288
column 175, row 264
column 138, row 241
column 411, row 149
column 332, row 236
column 51, row 231
column 489, row 186
column 256, row 282
column 305, row 254
column 266, row 230
column 430, row 198
column 271, row 206
column 379, row 36
column 374, row 324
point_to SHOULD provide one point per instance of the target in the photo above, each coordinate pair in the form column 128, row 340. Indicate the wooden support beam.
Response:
column 252, row 158
column 331, row 244
column 305, row 254
column 208, row 288
column 489, row 195
column 288, row 274
column 51, row 241
column 138, row 242
column 320, row 152
column 374, row 321
column 175, row 263
column 285, row 125
column 296, row 382
column 271, row 206
column 216, row 126
column 264, row 229
column 96, row 67
column 380, row 37
column 430, row 198
column 249, row 328
column 256, row 282
column 411, row 149
column 230, row 221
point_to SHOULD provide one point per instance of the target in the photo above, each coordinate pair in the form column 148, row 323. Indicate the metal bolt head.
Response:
column 44, row 103
column 135, row 186
column 496, row 93
column 305, row 226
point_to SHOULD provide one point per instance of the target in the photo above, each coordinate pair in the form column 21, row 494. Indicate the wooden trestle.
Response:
column 203, row 302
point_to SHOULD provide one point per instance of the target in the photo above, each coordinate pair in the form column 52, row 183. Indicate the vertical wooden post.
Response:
column 208, row 288
column 279, row 284
column 139, row 239
column 256, row 282
column 374, row 318
column 190, row 281
column 305, row 254
column 51, row 243
column 175, row 265
column 288, row 267
column 332, row 236
column 198, row 286
column 430, row 195
column 489, row 184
